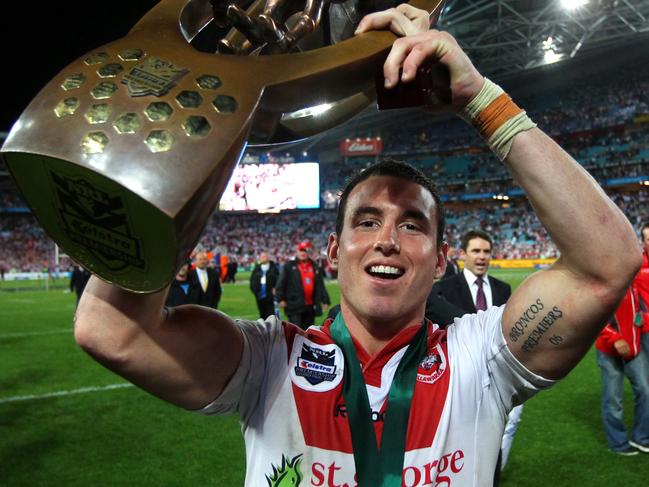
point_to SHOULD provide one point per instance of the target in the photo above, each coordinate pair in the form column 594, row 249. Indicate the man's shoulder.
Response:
column 448, row 282
column 497, row 281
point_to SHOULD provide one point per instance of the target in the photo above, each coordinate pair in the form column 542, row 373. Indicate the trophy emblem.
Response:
column 123, row 156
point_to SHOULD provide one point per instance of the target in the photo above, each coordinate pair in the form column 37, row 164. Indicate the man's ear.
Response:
column 332, row 249
column 440, row 267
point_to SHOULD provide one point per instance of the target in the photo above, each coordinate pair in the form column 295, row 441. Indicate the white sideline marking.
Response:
column 83, row 390
column 33, row 333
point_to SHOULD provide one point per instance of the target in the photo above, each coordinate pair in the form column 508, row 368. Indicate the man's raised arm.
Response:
column 184, row 355
column 554, row 316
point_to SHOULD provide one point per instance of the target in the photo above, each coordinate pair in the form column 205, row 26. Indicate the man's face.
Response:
column 201, row 260
column 645, row 240
column 263, row 258
column 303, row 254
column 477, row 256
column 182, row 272
column 387, row 255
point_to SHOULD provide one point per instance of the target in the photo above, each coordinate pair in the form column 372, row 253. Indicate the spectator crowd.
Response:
column 604, row 125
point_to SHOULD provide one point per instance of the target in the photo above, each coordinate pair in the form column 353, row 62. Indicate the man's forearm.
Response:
column 109, row 317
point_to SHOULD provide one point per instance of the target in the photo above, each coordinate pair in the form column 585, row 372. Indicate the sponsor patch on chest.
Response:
column 315, row 367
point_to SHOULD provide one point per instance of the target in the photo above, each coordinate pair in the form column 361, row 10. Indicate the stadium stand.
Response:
column 602, row 121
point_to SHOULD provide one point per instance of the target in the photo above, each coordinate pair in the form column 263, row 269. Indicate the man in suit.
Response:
column 474, row 290
column 206, row 281
column 452, row 266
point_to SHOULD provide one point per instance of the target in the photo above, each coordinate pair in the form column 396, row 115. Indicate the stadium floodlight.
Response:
column 550, row 56
column 549, row 47
column 313, row 111
column 548, row 44
column 573, row 4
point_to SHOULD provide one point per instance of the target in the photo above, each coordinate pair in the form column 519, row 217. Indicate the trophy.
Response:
column 124, row 155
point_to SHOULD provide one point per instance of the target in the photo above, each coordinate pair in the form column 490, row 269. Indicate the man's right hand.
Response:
column 622, row 348
column 420, row 44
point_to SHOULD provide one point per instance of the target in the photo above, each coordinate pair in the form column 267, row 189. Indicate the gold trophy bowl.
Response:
column 124, row 155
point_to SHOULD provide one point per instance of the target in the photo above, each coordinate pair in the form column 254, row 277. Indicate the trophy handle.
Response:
column 294, row 81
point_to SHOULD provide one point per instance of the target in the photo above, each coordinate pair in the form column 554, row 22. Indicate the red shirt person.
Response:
column 300, row 290
column 641, row 282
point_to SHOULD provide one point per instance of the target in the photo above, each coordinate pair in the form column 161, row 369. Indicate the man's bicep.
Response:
column 553, row 318
column 190, row 357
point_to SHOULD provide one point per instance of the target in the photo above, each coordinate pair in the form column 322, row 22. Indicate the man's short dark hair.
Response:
column 471, row 234
column 645, row 226
column 397, row 169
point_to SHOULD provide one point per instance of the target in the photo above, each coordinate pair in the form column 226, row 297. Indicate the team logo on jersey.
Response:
column 287, row 474
column 316, row 367
column 433, row 366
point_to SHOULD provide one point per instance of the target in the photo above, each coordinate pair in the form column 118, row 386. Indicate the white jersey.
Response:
column 288, row 393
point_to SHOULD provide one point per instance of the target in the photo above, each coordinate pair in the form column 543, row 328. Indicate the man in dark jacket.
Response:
column 262, row 284
column 207, row 282
column 452, row 266
column 301, row 290
column 78, row 280
column 182, row 290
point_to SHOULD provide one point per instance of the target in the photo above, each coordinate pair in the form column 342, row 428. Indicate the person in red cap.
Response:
column 300, row 290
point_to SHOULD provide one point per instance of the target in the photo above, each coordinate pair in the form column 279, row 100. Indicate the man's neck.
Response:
column 373, row 335
column 472, row 276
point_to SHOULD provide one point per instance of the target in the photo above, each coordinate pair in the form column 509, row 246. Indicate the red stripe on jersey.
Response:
column 323, row 415
column 429, row 398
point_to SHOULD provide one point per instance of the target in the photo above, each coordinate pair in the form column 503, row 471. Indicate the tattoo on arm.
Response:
column 544, row 325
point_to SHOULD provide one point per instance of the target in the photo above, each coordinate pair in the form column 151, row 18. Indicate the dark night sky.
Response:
column 40, row 38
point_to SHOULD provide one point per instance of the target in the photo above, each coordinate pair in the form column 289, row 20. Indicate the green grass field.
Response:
column 66, row 421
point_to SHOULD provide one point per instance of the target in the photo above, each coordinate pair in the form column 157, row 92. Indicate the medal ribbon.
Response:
column 374, row 467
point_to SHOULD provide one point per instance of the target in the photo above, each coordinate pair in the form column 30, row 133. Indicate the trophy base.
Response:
column 108, row 229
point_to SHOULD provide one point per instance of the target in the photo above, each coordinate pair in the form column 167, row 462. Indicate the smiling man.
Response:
column 473, row 289
column 379, row 396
